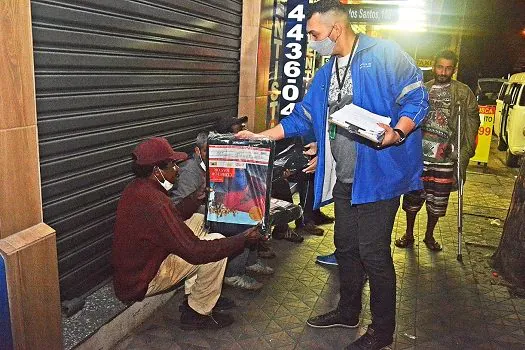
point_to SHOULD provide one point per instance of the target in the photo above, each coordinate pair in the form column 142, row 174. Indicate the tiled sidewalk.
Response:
column 442, row 303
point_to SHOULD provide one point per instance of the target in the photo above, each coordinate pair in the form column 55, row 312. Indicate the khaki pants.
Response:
column 203, row 282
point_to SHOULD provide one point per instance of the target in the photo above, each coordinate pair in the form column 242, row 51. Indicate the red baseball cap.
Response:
column 156, row 150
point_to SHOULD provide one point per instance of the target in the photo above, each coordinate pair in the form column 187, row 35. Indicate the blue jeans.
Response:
column 362, row 236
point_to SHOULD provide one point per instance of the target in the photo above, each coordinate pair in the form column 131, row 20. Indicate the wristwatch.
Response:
column 402, row 136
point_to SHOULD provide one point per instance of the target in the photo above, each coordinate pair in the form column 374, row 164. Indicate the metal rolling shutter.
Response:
column 108, row 74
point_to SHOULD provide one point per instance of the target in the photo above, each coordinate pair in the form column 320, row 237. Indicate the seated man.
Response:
column 154, row 248
column 281, row 189
column 192, row 173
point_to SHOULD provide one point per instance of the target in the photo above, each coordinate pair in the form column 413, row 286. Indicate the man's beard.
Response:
column 443, row 79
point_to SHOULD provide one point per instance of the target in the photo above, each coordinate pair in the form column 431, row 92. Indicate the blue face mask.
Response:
column 324, row 47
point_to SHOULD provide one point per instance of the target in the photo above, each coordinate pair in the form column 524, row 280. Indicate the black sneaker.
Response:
column 370, row 341
column 310, row 229
column 322, row 219
column 222, row 304
column 190, row 320
column 264, row 250
column 332, row 319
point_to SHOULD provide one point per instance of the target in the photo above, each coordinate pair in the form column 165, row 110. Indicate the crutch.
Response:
column 460, row 188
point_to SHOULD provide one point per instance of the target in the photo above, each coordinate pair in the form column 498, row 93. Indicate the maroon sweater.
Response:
column 148, row 228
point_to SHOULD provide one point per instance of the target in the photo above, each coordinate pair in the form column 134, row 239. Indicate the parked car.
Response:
column 487, row 90
column 511, row 123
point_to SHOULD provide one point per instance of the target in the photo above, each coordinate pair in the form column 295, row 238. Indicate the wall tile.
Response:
column 248, row 68
column 247, row 107
column 17, row 87
column 266, row 16
column 263, row 62
column 20, row 204
column 251, row 12
column 261, row 110
column 31, row 259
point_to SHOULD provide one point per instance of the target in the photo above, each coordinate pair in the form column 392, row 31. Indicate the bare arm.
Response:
column 405, row 124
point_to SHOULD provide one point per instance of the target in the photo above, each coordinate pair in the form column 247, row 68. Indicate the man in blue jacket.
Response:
column 364, row 180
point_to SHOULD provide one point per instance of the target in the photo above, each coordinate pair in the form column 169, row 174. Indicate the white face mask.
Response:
column 202, row 164
column 165, row 183
column 325, row 47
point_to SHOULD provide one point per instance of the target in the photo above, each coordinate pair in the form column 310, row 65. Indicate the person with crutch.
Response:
column 449, row 136
column 460, row 184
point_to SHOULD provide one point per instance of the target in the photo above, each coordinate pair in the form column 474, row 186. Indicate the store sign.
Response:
column 6, row 338
column 287, row 59
column 294, row 54
column 373, row 14
column 274, row 80
column 484, row 136
column 425, row 62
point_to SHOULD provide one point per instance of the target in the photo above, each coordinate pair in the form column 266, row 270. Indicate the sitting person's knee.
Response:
column 214, row 235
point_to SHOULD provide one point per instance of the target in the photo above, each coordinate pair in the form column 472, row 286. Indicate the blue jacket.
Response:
column 385, row 81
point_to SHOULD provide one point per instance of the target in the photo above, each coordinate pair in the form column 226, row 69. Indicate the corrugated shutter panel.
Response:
column 109, row 73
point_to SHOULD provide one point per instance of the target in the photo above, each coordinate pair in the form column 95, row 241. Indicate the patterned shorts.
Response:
column 438, row 180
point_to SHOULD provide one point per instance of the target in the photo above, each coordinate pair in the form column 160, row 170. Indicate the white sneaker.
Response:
column 260, row 267
column 243, row 282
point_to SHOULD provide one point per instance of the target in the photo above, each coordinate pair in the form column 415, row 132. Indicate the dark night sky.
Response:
column 494, row 45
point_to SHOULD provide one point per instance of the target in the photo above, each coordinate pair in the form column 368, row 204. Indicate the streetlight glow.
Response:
column 412, row 16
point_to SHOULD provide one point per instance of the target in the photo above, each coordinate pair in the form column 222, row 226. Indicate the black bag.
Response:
column 291, row 158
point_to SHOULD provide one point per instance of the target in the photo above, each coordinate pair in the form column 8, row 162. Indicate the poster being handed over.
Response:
column 239, row 176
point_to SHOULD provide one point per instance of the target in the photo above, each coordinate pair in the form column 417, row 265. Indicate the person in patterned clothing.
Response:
column 440, row 152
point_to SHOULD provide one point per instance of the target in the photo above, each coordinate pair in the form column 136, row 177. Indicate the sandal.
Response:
column 433, row 245
column 404, row 242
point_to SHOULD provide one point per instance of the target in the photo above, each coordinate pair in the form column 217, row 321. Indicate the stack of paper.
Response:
column 360, row 121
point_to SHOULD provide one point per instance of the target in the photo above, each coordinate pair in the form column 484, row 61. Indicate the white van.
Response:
column 499, row 108
column 511, row 123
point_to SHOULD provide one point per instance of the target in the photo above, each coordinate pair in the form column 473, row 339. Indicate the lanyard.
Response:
column 340, row 82
column 332, row 130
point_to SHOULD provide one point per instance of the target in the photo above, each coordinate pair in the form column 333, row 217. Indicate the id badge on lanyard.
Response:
column 332, row 131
